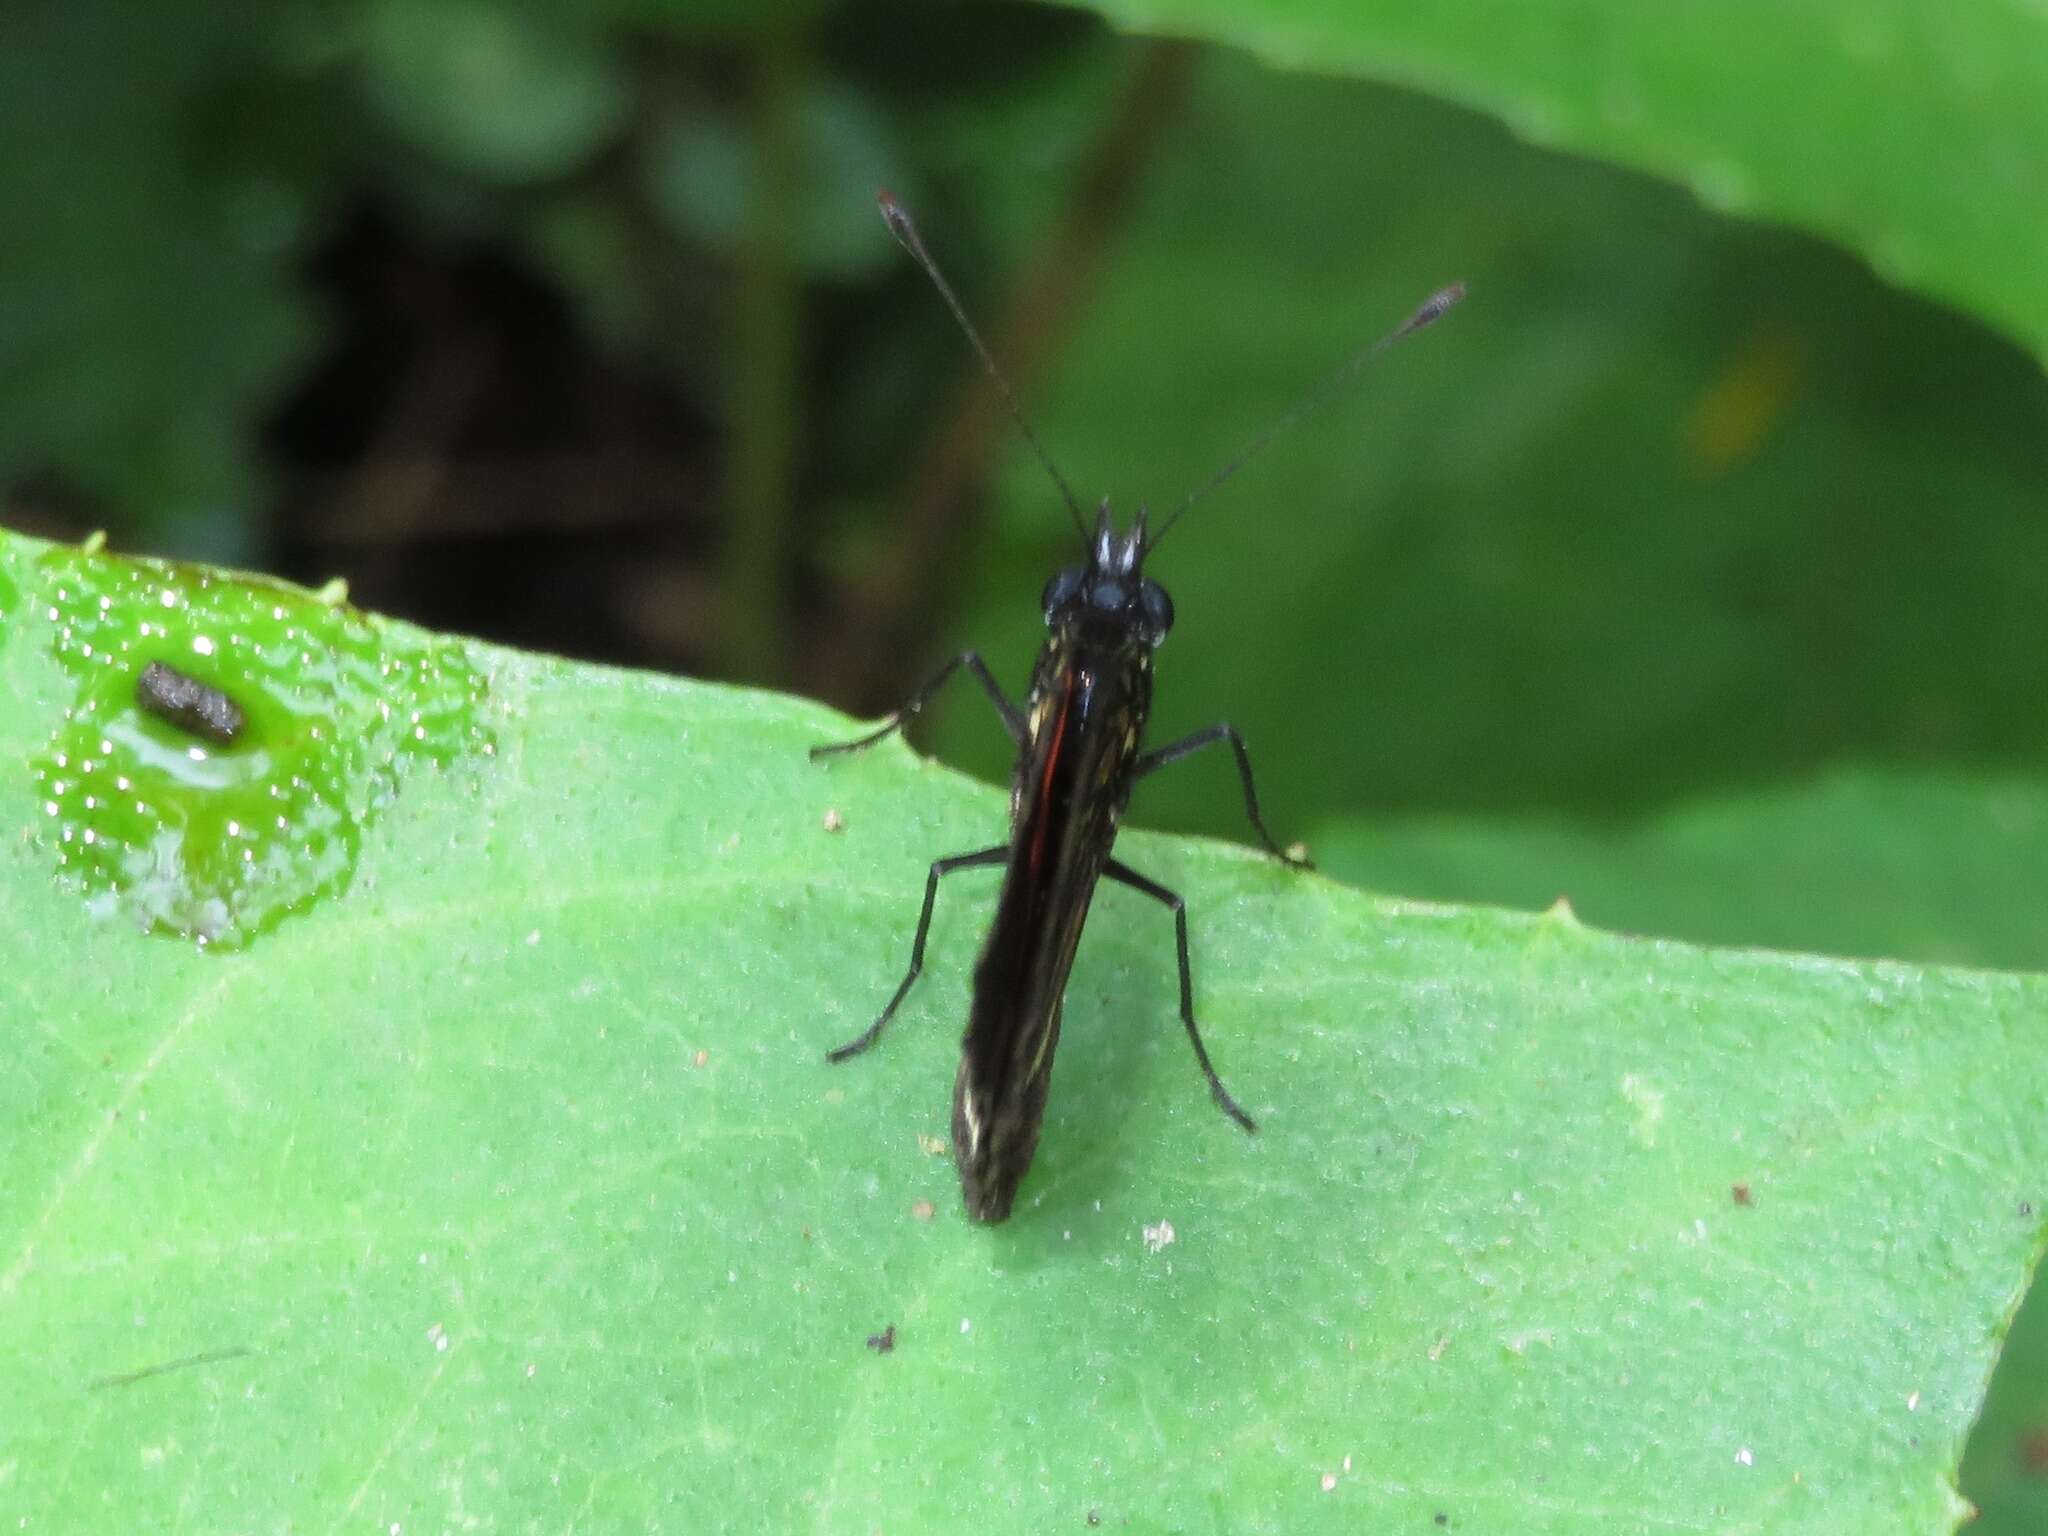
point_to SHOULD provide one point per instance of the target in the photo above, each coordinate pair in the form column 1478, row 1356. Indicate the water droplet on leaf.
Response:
column 219, row 839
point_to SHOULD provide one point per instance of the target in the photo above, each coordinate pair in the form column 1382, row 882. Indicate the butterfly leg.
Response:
column 1123, row 874
column 1013, row 718
column 1151, row 762
column 940, row 869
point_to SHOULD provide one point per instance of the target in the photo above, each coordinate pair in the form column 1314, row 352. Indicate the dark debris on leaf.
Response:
column 189, row 704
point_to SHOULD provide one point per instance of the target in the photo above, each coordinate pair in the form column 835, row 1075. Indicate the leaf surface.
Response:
column 1926, row 864
column 505, row 1182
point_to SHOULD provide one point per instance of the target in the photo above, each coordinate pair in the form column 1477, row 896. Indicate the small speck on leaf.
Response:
column 189, row 704
column 1742, row 1194
column 924, row 1210
column 834, row 822
column 883, row 1342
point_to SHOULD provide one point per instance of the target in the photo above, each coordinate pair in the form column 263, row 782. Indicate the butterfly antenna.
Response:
column 1431, row 309
column 898, row 220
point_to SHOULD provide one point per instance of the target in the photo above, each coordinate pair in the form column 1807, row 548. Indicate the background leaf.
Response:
column 509, row 1185
column 1917, row 138
column 1645, row 515
column 510, row 92
column 149, row 320
column 1790, row 867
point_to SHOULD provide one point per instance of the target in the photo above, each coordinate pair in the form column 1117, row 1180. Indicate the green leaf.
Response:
column 1937, row 866
column 506, row 92
column 506, row 1182
column 700, row 175
column 1915, row 137
column 161, row 170
column 1912, row 864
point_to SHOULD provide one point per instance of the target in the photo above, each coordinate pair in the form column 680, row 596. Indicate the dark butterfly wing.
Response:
column 1072, row 786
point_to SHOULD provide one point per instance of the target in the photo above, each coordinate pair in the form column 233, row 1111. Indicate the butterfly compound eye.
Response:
column 1060, row 591
column 1158, row 610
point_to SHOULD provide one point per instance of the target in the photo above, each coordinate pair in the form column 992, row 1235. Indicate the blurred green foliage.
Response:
column 158, row 181
column 1677, row 510
column 1930, row 865
column 1914, row 135
column 1670, row 502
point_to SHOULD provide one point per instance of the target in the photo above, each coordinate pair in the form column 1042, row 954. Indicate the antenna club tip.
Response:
column 1437, row 303
column 893, row 214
